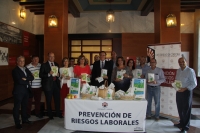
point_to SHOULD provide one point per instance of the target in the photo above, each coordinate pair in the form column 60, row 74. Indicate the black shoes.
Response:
column 18, row 126
column 148, row 117
column 60, row 116
column 39, row 116
column 51, row 117
column 157, row 119
column 177, row 125
column 183, row 131
column 29, row 116
column 27, row 122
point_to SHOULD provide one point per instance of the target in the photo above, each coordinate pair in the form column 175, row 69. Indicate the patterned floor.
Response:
column 45, row 125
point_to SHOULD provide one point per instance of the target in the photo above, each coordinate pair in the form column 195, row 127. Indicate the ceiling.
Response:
column 75, row 7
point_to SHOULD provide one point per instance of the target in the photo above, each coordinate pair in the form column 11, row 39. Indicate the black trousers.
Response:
column 20, row 99
column 55, row 93
column 184, row 105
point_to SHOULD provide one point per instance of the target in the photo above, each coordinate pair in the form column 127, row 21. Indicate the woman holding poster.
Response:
column 121, row 75
column 66, row 73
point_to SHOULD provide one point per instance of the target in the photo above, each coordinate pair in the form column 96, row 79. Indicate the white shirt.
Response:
column 101, row 64
column 65, row 81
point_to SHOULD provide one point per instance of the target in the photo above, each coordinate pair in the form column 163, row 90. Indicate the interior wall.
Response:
column 9, row 14
column 6, row 82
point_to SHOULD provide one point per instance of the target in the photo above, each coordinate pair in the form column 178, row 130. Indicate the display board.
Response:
column 105, row 115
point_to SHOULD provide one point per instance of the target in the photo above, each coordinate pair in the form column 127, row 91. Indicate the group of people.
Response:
column 57, row 86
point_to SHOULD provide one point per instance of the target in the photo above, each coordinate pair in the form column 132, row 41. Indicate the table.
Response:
column 105, row 115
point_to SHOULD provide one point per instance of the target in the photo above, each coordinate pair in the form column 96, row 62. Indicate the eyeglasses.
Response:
column 152, row 62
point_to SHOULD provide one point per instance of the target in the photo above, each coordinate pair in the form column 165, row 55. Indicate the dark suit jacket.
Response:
column 47, row 82
column 96, row 72
column 20, row 85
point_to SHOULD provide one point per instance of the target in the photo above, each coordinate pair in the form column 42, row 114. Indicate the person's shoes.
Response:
column 60, row 116
column 148, row 117
column 29, row 116
column 157, row 119
column 183, row 131
column 51, row 117
column 39, row 116
column 27, row 122
column 177, row 125
column 18, row 126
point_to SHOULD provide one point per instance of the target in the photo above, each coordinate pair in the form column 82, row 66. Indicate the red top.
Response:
column 78, row 70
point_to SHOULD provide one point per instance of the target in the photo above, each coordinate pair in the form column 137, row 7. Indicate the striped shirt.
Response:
column 36, row 83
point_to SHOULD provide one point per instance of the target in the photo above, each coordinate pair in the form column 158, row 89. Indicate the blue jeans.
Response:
column 153, row 92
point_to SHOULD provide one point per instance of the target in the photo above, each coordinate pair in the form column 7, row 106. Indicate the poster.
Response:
column 25, row 38
column 3, row 56
column 75, row 87
column 139, row 86
column 9, row 34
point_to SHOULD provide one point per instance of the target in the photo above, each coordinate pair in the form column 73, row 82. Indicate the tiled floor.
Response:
column 57, row 125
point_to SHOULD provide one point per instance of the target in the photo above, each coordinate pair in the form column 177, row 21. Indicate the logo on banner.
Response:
column 104, row 104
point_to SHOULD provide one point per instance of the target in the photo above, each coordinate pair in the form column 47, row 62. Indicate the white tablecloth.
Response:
column 105, row 115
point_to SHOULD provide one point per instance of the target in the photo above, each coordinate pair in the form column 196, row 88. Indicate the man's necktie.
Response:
column 54, row 78
column 102, row 65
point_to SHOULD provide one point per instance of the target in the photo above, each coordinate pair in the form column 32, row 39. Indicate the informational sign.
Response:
column 139, row 86
column 25, row 38
column 170, row 75
column 105, row 116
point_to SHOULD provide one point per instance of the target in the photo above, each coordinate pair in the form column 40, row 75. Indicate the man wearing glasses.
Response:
column 154, row 76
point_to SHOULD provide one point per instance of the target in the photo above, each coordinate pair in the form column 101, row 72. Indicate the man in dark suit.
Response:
column 98, row 66
column 51, row 85
column 21, row 92
column 113, row 59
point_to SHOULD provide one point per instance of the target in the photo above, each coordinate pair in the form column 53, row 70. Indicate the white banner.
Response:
column 105, row 116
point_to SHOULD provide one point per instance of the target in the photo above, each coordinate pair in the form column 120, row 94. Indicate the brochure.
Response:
column 139, row 86
column 84, row 77
column 55, row 70
column 75, row 87
column 177, row 85
column 100, row 79
column 138, row 73
column 151, row 77
column 36, row 74
column 88, row 79
column 64, row 71
column 120, row 75
column 104, row 72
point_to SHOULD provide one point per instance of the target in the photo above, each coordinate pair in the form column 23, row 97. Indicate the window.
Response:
column 90, row 48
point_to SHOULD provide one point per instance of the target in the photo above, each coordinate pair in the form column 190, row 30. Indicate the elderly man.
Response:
column 34, row 67
column 153, row 88
column 184, row 96
column 21, row 92
column 143, row 66
column 51, row 85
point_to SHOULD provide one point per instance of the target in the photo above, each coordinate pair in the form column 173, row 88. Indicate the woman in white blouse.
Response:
column 66, row 73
